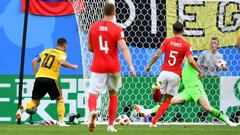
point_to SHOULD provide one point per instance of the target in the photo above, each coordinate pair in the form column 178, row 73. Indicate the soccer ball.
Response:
column 123, row 120
column 221, row 63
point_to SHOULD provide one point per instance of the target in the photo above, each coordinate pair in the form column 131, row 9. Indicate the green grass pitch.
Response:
column 122, row 130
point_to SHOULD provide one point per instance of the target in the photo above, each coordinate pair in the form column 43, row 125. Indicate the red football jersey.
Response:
column 103, row 36
column 175, row 50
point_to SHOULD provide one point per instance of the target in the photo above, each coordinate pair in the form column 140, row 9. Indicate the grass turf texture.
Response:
column 122, row 130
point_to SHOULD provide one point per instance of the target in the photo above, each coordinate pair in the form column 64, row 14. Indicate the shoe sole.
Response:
column 64, row 125
column 111, row 131
column 92, row 123
column 153, row 125
column 155, row 86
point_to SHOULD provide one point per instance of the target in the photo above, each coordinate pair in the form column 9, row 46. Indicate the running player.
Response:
column 46, row 79
column 193, row 91
column 175, row 49
column 104, row 39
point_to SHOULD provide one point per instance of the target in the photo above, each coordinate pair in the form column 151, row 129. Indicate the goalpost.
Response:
column 146, row 24
column 87, row 12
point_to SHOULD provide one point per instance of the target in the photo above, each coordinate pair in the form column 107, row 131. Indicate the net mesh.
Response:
column 146, row 24
column 87, row 12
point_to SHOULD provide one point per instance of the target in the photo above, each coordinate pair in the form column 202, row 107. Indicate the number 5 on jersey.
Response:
column 103, row 47
column 173, row 56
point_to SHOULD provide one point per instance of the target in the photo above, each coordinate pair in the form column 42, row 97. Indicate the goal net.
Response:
column 146, row 24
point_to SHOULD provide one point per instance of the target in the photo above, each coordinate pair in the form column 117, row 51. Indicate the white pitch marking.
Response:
column 5, row 85
column 4, row 99
column 5, row 119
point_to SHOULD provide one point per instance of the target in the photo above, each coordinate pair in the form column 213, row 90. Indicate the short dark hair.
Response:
column 109, row 9
column 215, row 38
column 178, row 27
column 61, row 41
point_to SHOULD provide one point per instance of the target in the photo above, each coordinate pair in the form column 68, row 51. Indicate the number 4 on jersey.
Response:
column 103, row 47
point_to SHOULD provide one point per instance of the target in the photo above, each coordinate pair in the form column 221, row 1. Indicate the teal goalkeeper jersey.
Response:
column 190, row 76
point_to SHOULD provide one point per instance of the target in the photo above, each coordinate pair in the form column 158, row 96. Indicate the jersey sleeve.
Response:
column 163, row 46
column 188, row 50
column 63, row 57
column 38, row 57
column 120, row 34
column 238, row 34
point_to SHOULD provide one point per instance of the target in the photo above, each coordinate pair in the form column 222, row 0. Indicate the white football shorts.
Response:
column 169, row 82
column 100, row 82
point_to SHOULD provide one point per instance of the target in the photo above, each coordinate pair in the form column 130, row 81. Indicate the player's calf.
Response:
column 112, row 109
column 203, row 101
column 61, row 112
column 207, row 107
column 162, row 109
column 92, row 121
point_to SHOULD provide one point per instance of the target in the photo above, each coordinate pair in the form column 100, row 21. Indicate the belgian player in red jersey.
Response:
column 104, row 38
column 175, row 49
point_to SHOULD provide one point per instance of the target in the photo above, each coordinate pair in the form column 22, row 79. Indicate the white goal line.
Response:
column 169, row 124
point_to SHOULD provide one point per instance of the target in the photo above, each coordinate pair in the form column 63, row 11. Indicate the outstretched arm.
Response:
column 126, row 54
column 154, row 59
column 68, row 65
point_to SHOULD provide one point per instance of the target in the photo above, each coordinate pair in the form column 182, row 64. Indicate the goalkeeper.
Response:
column 193, row 91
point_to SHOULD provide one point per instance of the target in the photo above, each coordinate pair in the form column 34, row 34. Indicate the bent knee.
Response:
column 60, row 98
column 177, row 100
column 113, row 92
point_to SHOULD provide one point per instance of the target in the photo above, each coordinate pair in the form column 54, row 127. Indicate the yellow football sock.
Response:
column 32, row 104
column 60, row 109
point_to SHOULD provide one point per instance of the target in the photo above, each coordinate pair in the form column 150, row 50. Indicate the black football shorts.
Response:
column 42, row 86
